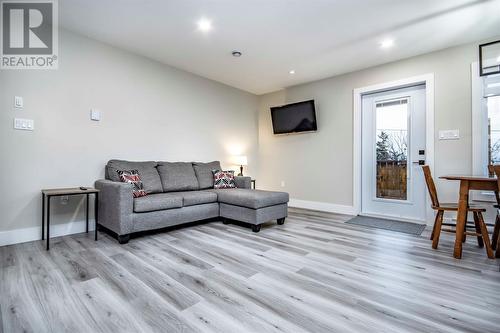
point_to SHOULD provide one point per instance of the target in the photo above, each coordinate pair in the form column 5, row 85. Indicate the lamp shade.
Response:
column 240, row 160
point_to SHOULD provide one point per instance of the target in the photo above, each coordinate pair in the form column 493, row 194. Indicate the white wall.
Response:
column 150, row 111
column 318, row 166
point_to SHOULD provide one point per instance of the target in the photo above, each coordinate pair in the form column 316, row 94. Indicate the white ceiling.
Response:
column 316, row 38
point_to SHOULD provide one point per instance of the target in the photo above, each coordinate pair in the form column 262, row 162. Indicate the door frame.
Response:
column 428, row 80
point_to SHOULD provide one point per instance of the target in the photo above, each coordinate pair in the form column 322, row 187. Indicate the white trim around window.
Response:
column 479, row 131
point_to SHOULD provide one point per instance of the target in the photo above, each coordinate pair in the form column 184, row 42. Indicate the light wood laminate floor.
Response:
column 312, row 274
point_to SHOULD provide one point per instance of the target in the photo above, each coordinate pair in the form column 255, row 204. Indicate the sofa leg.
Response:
column 123, row 239
column 255, row 227
column 281, row 221
column 224, row 220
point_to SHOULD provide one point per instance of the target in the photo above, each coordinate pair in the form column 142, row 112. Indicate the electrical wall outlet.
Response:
column 282, row 183
column 95, row 115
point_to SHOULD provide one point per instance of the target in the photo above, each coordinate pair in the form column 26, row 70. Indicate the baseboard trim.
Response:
column 24, row 235
column 322, row 206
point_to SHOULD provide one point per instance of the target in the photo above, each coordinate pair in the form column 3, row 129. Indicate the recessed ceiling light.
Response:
column 387, row 43
column 204, row 25
column 292, row 71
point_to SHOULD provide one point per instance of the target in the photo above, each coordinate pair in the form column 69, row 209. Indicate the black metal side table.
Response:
column 58, row 192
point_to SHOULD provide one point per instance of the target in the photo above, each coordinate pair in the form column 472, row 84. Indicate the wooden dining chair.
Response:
column 495, row 239
column 480, row 227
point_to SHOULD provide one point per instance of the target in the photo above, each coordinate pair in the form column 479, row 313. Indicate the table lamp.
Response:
column 240, row 160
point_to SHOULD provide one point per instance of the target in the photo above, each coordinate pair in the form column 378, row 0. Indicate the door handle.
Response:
column 419, row 162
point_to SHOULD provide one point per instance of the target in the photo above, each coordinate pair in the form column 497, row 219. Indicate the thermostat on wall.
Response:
column 18, row 102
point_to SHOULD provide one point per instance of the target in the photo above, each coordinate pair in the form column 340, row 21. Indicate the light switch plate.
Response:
column 95, row 114
column 24, row 124
column 18, row 102
column 449, row 134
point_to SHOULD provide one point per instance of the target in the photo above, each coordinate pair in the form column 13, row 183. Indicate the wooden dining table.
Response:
column 467, row 183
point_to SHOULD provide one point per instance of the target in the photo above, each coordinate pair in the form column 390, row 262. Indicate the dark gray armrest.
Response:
column 116, row 205
column 243, row 182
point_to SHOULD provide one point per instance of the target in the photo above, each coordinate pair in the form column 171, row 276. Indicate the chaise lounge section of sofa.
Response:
column 178, row 193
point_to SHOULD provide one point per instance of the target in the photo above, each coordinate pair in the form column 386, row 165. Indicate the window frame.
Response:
column 479, row 132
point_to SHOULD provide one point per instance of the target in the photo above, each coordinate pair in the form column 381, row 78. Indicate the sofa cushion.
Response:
column 192, row 198
column 204, row 173
column 251, row 198
column 177, row 176
column 147, row 171
column 158, row 201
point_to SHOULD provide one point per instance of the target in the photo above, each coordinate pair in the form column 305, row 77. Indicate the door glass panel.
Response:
column 392, row 149
column 493, row 129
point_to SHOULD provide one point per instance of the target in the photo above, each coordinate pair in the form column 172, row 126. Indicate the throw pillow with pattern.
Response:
column 223, row 179
column 132, row 177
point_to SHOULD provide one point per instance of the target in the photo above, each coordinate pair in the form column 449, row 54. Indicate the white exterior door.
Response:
column 393, row 145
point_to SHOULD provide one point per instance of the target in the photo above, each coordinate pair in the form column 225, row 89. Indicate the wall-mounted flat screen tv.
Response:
column 294, row 118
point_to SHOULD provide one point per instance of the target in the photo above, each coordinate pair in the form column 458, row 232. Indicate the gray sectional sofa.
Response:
column 178, row 193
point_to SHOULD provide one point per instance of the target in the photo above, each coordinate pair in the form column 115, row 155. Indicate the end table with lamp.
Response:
column 241, row 160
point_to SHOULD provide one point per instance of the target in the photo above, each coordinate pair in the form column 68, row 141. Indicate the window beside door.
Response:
column 493, row 142
column 485, row 125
